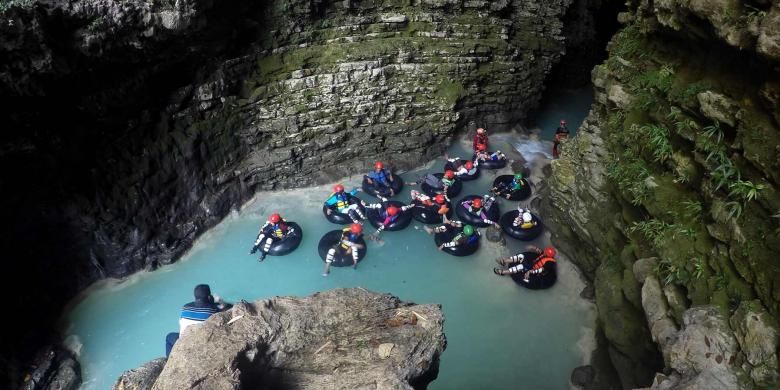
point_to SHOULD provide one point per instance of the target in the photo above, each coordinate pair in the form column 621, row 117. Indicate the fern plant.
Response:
column 714, row 131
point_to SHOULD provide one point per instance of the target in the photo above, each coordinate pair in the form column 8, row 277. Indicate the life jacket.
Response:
column 279, row 229
column 443, row 209
column 342, row 200
column 527, row 225
column 349, row 236
column 541, row 261
column 381, row 176
column 387, row 216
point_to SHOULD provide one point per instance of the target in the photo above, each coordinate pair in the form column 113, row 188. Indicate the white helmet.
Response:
column 527, row 217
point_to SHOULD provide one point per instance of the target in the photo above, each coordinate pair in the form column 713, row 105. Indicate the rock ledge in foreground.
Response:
column 339, row 339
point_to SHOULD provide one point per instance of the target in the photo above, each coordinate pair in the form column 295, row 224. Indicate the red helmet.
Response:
column 477, row 202
column 563, row 122
column 275, row 218
column 481, row 147
column 338, row 188
column 549, row 251
column 449, row 174
column 392, row 210
column 379, row 165
column 480, row 130
column 439, row 199
column 356, row 228
column 469, row 165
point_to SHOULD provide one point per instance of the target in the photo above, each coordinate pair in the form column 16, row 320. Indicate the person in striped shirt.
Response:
column 196, row 312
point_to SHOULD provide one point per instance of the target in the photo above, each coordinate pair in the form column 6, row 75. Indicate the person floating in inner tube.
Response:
column 275, row 229
column 524, row 219
column 515, row 263
column 467, row 236
column 439, row 185
column 483, row 155
column 477, row 207
column 439, row 202
column 481, row 139
column 388, row 215
column 380, row 178
column 460, row 169
column 506, row 189
column 340, row 200
column 348, row 244
column 561, row 133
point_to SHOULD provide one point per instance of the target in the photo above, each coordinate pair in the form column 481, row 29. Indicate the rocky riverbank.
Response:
column 666, row 196
column 342, row 339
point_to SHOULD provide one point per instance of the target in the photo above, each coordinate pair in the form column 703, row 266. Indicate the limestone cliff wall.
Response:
column 673, row 179
column 131, row 127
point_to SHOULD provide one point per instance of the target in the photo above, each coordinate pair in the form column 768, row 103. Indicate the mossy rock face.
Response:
column 689, row 170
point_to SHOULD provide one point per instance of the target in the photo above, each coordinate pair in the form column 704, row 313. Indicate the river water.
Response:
column 499, row 335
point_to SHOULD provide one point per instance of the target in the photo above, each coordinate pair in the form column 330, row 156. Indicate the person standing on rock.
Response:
column 274, row 230
column 196, row 312
column 480, row 139
column 381, row 179
column 348, row 243
column 517, row 263
column 561, row 133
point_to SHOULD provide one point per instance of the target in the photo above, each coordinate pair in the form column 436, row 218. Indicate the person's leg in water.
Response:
column 355, row 255
column 353, row 211
column 266, row 248
column 329, row 259
column 515, row 261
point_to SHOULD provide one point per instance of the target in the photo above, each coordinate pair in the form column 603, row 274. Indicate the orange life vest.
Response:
column 541, row 261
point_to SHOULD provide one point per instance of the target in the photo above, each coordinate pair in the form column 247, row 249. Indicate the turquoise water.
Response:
column 499, row 335
column 569, row 104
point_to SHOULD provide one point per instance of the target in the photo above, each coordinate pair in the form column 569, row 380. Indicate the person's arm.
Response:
column 389, row 175
column 534, row 248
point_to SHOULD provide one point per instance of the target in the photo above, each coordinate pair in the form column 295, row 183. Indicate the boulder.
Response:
column 339, row 339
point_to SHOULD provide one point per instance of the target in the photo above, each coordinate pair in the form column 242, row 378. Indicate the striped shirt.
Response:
column 195, row 313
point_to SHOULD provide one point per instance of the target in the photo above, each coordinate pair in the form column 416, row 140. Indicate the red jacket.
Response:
column 480, row 139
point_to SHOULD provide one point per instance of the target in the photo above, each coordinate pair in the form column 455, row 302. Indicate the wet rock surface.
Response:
column 637, row 197
column 343, row 338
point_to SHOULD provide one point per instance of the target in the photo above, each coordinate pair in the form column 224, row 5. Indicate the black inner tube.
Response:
column 464, row 215
column 460, row 250
column 464, row 177
column 341, row 258
column 452, row 191
column 288, row 243
column 517, row 232
column 397, row 184
column 404, row 218
column 521, row 194
column 429, row 214
column 490, row 164
column 342, row 218
column 536, row 281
